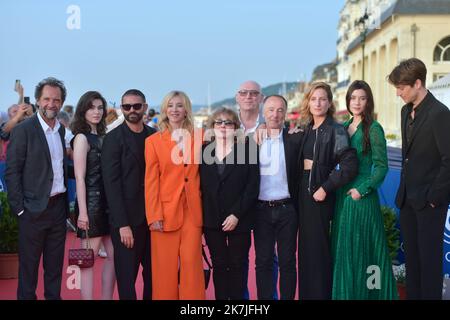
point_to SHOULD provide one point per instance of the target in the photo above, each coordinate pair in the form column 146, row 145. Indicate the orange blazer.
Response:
column 166, row 179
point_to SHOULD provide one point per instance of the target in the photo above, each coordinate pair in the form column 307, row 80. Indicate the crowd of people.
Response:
column 149, row 195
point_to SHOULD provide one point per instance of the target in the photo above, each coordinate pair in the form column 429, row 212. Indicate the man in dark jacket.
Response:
column 423, row 194
column 276, row 215
column 123, row 167
column 36, row 178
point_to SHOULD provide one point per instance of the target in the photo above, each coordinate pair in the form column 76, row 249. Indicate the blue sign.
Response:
column 447, row 246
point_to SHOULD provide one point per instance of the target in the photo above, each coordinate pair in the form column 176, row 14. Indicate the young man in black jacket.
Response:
column 423, row 194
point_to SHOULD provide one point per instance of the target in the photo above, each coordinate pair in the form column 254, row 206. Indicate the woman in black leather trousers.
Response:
column 327, row 162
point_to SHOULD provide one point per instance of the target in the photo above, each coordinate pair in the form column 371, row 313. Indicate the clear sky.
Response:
column 159, row 46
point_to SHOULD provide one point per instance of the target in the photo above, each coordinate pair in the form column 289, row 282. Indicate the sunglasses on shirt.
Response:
column 136, row 106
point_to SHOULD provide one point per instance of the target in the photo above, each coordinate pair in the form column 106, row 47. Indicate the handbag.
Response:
column 207, row 272
column 82, row 257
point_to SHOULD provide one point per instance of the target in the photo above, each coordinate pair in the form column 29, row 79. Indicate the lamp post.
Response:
column 414, row 30
column 361, row 24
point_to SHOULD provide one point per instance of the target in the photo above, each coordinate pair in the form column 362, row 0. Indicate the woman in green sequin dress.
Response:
column 359, row 246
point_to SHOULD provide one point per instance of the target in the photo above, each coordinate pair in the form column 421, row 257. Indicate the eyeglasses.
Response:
column 136, row 106
column 252, row 93
column 227, row 123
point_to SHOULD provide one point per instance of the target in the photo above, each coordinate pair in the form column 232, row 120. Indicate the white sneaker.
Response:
column 102, row 253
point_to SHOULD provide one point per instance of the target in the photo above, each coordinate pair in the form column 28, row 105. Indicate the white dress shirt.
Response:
column 272, row 167
column 68, row 137
column 249, row 130
column 56, row 154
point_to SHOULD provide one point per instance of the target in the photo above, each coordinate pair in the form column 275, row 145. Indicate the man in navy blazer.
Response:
column 36, row 178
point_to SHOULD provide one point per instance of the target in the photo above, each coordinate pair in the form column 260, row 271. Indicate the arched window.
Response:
column 442, row 51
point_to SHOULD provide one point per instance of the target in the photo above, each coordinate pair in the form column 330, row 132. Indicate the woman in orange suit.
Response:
column 173, row 203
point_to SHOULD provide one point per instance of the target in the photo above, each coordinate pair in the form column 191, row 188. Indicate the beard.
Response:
column 49, row 114
column 134, row 117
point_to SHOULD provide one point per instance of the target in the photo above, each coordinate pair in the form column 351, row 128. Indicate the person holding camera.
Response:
column 16, row 113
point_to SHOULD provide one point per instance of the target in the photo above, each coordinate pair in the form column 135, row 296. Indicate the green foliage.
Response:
column 9, row 228
column 391, row 230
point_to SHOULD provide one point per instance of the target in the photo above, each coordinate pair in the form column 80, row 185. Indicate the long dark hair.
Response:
column 79, row 123
column 367, row 115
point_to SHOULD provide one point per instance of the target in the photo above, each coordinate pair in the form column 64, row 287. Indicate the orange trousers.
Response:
column 178, row 251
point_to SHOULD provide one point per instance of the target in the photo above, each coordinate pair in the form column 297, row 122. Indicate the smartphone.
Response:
column 26, row 100
column 17, row 85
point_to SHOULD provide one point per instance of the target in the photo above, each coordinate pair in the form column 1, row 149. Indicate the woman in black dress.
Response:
column 88, row 127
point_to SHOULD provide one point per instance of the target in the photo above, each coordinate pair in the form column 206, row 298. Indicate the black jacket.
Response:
column 123, row 177
column 335, row 162
column 233, row 192
column 425, row 176
column 29, row 173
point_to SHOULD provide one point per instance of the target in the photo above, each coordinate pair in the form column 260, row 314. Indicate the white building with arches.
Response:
column 441, row 90
column 395, row 30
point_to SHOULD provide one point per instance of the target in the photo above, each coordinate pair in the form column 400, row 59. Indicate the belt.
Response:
column 54, row 199
column 275, row 203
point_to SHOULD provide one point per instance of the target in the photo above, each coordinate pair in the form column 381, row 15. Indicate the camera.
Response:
column 26, row 100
